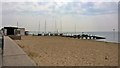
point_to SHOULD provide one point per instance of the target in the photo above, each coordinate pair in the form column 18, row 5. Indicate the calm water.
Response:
column 110, row 36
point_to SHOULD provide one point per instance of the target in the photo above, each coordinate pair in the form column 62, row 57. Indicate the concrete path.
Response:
column 14, row 55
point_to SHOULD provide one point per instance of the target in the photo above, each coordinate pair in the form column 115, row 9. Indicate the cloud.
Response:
column 60, row 0
column 58, row 8
column 89, row 8
column 93, row 8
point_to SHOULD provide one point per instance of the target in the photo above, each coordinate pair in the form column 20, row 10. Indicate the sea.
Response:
column 110, row 36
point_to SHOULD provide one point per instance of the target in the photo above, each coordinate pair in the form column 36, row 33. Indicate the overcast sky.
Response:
column 87, row 16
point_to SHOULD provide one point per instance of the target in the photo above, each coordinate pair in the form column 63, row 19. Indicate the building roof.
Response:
column 10, row 27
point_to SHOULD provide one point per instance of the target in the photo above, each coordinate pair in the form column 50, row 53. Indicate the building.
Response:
column 13, row 31
column 22, row 31
column 9, row 30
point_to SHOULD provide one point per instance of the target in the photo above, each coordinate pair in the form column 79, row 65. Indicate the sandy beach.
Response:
column 61, row 51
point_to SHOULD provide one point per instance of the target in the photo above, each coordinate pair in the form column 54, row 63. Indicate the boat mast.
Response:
column 17, row 24
column 61, row 26
column 39, row 28
column 55, row 26
column 45, row 25
column 75, row 27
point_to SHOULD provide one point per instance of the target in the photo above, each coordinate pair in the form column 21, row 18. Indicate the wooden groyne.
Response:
column 78, row 36
column 83, row 36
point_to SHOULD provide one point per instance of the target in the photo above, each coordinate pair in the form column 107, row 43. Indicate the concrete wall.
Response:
column 15, row 37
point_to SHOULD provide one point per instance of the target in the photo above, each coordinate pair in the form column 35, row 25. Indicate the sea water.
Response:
column 110, row 36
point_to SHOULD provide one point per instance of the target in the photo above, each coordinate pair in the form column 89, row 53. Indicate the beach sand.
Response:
column 61, row 51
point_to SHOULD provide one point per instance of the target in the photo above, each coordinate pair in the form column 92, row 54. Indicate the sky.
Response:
column 61, row 15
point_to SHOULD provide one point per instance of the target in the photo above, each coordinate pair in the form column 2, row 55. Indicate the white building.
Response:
column 22, row 31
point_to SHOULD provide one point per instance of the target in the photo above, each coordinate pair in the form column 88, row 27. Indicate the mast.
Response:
column 39, row 28
column 61, row 26
column 45, row 25
column 17, row 24
column 75, row 27
column 55, row 26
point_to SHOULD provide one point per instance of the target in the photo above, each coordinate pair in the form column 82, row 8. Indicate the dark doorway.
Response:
column 10, row 31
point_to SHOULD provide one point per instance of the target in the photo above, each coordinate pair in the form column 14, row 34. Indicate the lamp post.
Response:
column 113, row 34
